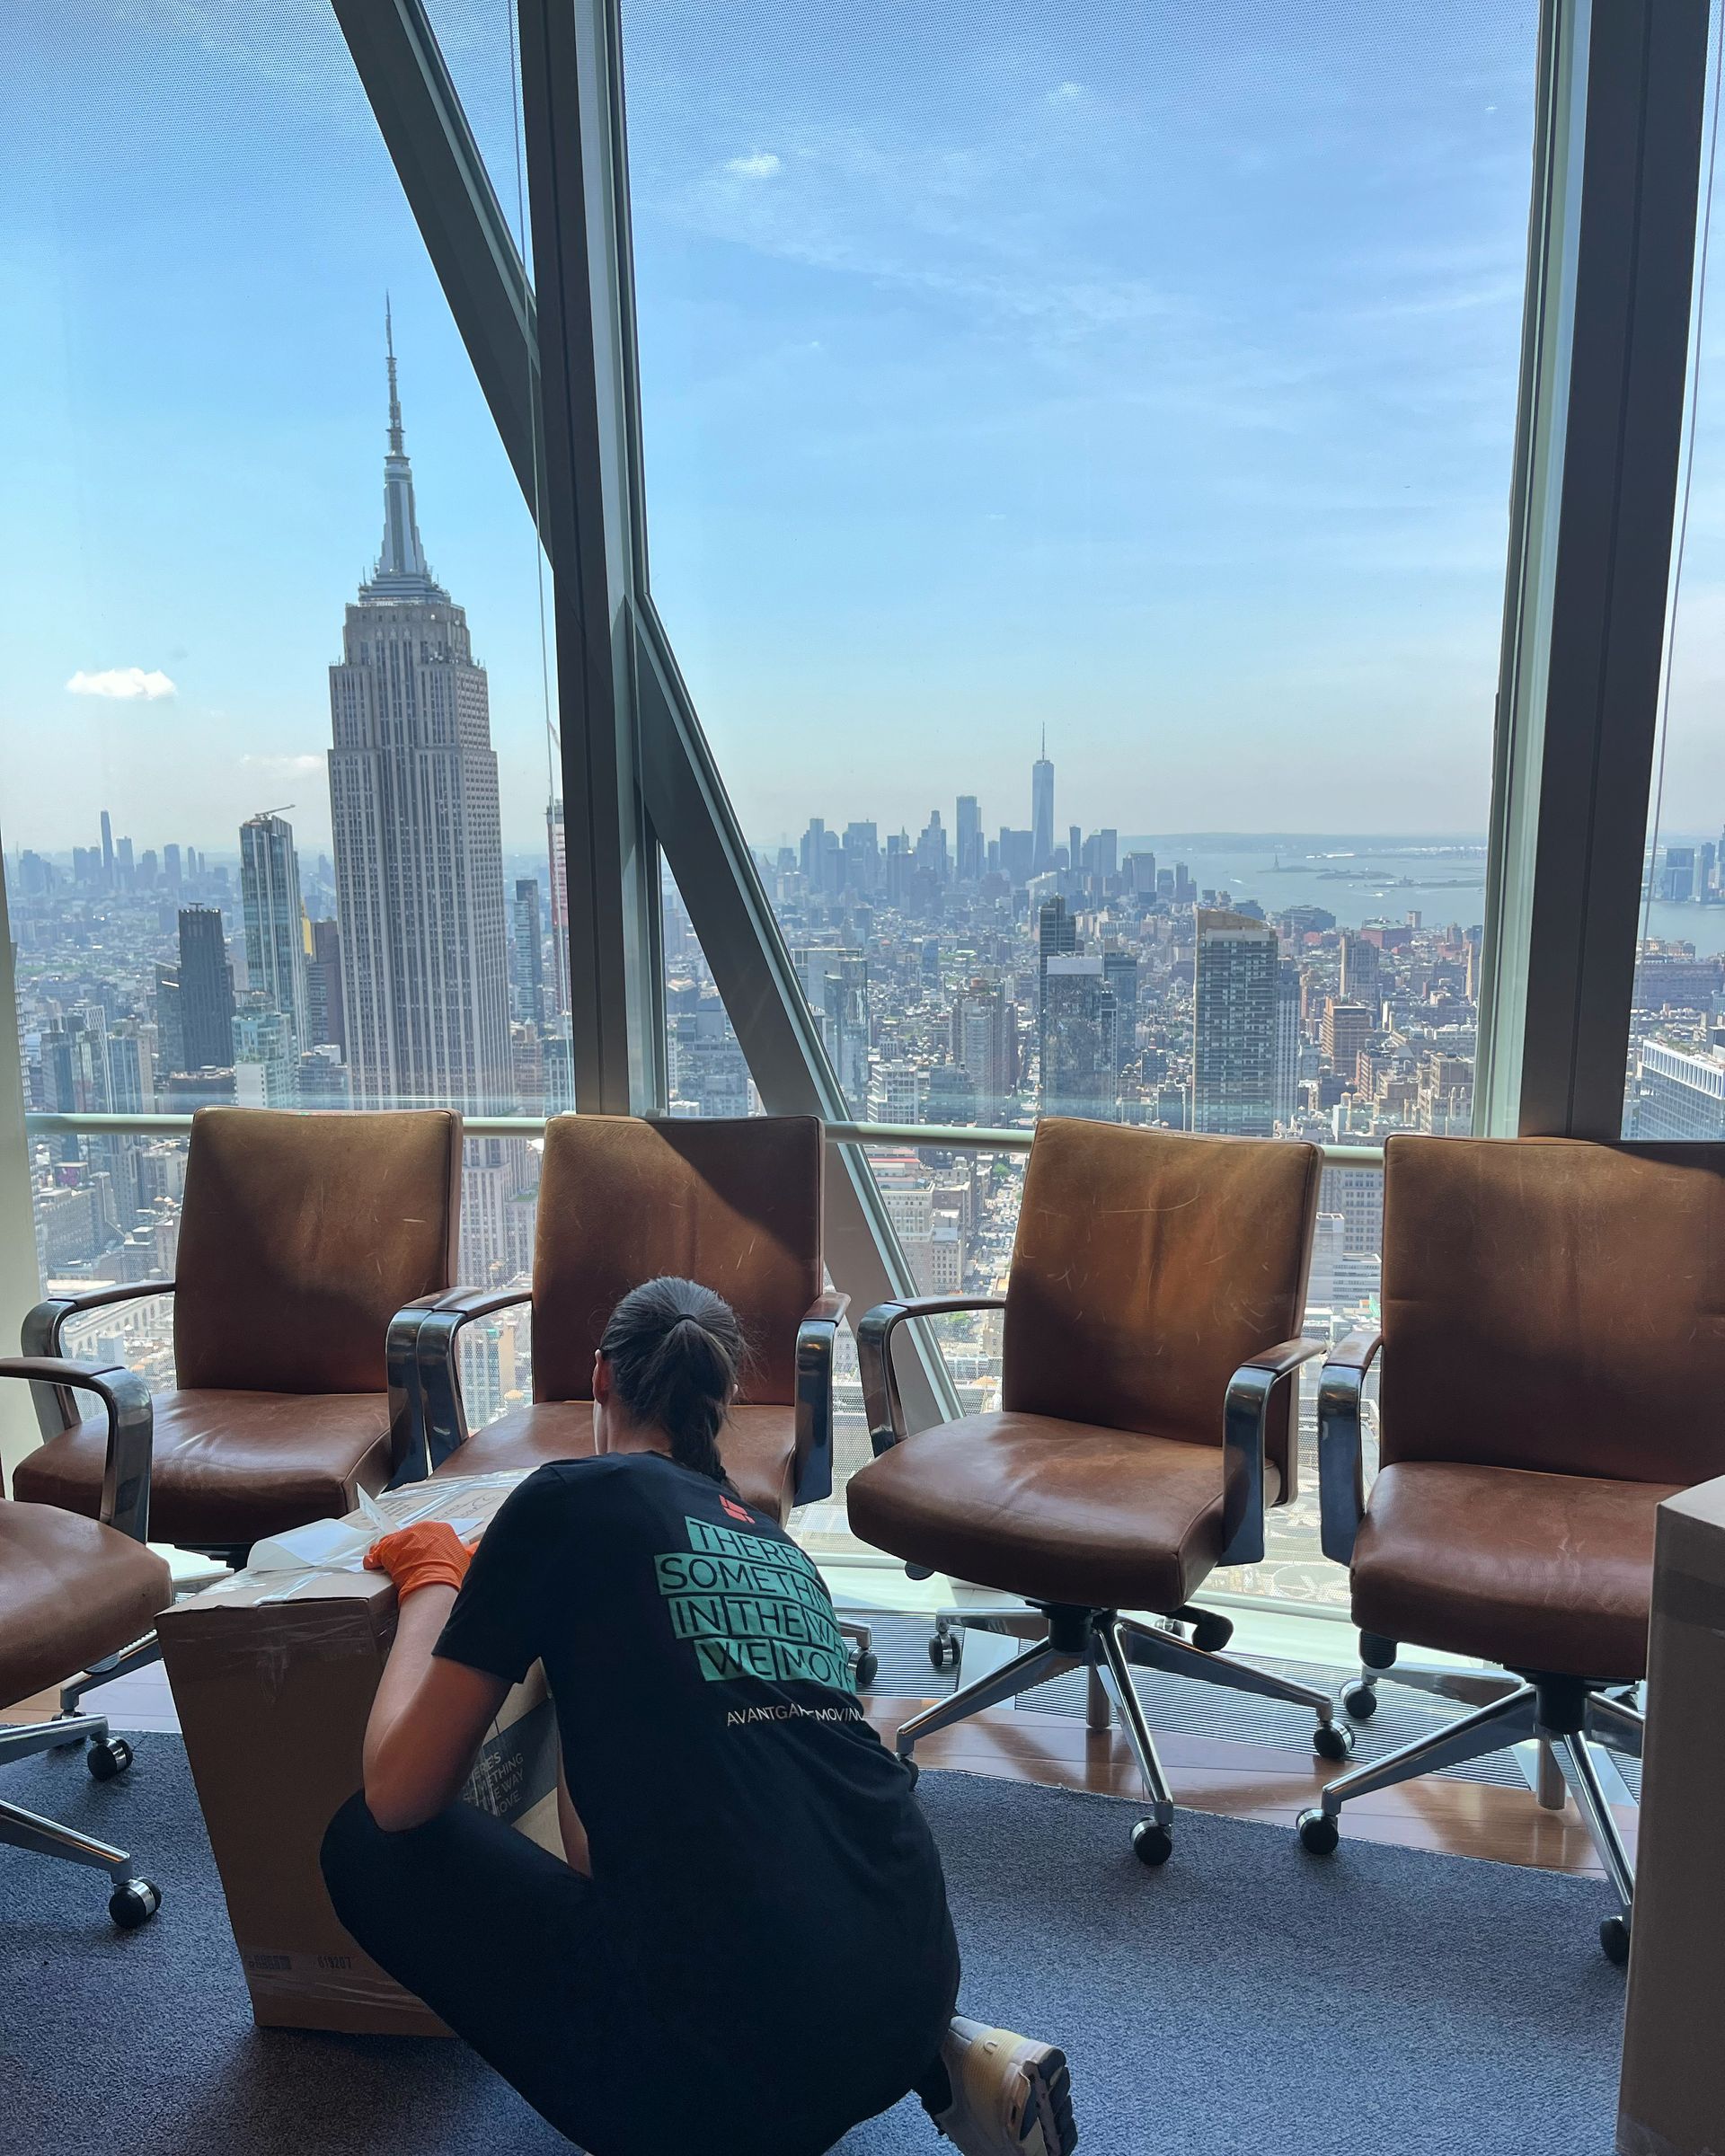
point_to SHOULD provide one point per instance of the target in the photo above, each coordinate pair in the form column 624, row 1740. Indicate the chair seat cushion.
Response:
column 71, row 1590
column 758, row 1446
column 230, row 1467
column 1541, row 1572
column 1055, row 1511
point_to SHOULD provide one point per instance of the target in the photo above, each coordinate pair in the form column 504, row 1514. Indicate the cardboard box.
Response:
column 273, row 1675
column 1671, row 2100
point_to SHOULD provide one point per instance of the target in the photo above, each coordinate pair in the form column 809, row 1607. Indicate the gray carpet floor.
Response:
column 1243, row 2001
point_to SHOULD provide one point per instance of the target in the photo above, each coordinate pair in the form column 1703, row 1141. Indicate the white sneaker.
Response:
column 1011, row 2097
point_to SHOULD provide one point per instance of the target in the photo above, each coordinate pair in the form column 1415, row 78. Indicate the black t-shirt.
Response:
column 757, row 1855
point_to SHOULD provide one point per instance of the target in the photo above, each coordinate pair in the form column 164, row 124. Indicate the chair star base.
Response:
column 133, row 1900
column 1563, row 1714
column 1107, row 1645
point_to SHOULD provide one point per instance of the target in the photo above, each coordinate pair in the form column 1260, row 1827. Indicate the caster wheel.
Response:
column 943, row 1651
column 1318, row 1833
column 1152, row 1844
column 868, row 1668
column 1359, row 1701
column 134, row 1902
column 108, row 1759
column 1212, row 1633
column 1613, row 1937
column 912, row 1770
column 1332, row 1740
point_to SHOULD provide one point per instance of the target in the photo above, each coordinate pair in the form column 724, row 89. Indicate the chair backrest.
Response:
column 1147, row 1266
column 1555, row 1304
column 300, row 1238
column 735, row 1205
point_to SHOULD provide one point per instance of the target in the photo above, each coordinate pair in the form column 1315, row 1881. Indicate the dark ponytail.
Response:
column 674, row 1349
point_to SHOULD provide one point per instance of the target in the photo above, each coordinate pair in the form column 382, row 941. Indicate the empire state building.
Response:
column 413, row 804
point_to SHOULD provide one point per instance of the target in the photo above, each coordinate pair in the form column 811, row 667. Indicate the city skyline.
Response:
column 1095, row 451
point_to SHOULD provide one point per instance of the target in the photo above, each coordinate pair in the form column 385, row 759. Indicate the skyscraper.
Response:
column 1057, row 930
column 1120, row 971
column 107, row 850
column 862, row 852
column 1043, row 811
column 323, row 1011
column 205, row 991
column 1233, row 1026
column 1361, row 971
column 557, row 857
column 931, row 848
column 265, row 1064
column 968, row 839
column 1080, row 1059
column 1347, row 1029
column 529, row 951
column 1287, row 1042
column 275, row 922
column 985, row 1044
column 836, row 983
column 414, row 806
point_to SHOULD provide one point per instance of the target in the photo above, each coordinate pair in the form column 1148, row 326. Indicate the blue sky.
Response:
column 1147, row 372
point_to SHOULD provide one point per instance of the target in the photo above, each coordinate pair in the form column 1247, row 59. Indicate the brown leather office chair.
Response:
column 736, row 1205
column 81, row 1595
column 302, row 1237
column 1152, row 1315
column 1553, row 1357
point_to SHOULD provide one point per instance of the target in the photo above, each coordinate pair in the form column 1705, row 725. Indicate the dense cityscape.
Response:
column 958, row 979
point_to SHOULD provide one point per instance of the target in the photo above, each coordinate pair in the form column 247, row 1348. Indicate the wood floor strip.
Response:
column 1207, row 1774
column 1257, row 1782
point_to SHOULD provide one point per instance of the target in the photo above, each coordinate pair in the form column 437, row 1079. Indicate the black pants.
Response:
column 503, row 1942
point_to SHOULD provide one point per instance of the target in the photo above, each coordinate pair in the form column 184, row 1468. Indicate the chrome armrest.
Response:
column 880, row 1399
column 816, row 1338
column 1245, row 1417
column 444, row 1416
column 126, row 1471
column 407, row 1444
column 1341, row 1460
column 42, row 1334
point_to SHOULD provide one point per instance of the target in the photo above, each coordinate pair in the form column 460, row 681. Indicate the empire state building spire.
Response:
column 402, row 571
column 417, row 841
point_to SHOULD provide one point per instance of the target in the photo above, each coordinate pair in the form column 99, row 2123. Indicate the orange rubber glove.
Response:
column 430, row 1555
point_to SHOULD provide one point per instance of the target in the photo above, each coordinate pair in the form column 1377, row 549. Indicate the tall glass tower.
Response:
column 275, row 923
column 419, row 857
column 1043, row 811
column 1235, row 1010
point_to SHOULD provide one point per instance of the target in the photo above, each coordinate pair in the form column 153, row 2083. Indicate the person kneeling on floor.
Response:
column 748, row 1947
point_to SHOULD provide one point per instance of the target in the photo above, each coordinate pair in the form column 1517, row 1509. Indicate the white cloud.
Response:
column 125, row 683
column 1067, row 94
column 286, row 767
column 760, row 165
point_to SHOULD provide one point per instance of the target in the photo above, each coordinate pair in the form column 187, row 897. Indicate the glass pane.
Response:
column 705, row 1067
column 1676, row 1080
column 278, row 751
column 1069, row 444
column 1077, row 450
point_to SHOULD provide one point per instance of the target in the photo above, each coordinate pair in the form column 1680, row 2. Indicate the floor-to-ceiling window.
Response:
column 1676, row 1074
column 279, row 732
column 1077, row 454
